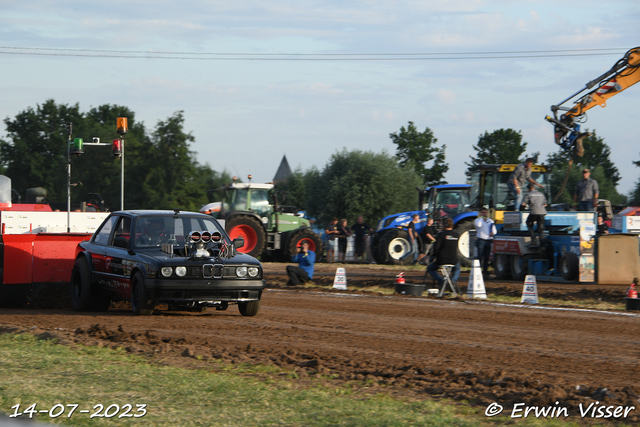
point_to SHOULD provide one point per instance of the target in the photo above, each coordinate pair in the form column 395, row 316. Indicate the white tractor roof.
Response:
column 244, row 185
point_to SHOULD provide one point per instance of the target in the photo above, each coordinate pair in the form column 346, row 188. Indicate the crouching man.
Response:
column 304, row 271
column 445, row 251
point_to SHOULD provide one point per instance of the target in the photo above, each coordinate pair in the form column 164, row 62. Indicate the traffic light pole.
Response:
column 117, row 151
column 69, row 127
column 122, row 176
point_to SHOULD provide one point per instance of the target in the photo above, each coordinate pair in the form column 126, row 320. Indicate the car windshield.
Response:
column 152, row 231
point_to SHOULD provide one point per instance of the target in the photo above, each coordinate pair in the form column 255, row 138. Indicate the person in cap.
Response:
column 587, row 191
column 306, row 260
column 520, row 176
column 537, row 210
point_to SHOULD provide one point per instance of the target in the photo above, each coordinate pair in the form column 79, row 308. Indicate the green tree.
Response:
column 418, row 150
column 160, row 170
column 502, row 146
column 171, row 177
column 294, row 189
column 607, row 189
column 36, row 153
column 634, row 196
column 355, row 183
column 597, row 158
column 97, row 169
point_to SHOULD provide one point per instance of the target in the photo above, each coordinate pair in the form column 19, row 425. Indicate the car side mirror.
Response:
column 121, row 242
column 238, row 242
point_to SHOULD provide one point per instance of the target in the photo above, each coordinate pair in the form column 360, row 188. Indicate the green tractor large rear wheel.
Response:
column 250, row 230
column 295, row 241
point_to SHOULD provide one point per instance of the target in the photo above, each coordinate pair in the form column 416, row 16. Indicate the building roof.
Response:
column 283, row 171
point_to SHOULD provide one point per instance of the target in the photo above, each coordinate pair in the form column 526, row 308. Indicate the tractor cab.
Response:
column 446, row 201
column 251, row 212
column 490, row 188
column 240, row 197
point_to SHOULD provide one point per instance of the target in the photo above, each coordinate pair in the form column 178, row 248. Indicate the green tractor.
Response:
column 252, row 211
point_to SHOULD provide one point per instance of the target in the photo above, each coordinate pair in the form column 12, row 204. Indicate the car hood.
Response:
column 159, row 255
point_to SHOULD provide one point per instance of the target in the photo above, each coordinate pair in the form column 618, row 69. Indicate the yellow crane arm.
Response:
column 624, row 74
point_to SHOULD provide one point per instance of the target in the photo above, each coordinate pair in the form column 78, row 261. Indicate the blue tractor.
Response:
column 391, row 243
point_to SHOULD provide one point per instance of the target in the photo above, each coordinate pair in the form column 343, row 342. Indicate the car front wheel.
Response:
column 250, row 308
column 141, row 300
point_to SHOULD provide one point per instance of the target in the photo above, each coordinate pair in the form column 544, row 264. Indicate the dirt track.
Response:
column 410, row 346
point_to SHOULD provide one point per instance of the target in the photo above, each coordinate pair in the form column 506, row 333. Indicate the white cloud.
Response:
column 446, row 96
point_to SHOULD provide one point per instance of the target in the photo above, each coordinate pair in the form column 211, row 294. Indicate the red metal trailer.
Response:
column 35, row 249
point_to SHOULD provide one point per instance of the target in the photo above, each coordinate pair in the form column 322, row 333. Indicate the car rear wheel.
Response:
column 142, row 302
column 81, row 297
column 250, row 308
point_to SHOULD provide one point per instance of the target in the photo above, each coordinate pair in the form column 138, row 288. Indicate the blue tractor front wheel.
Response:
column 395, row 248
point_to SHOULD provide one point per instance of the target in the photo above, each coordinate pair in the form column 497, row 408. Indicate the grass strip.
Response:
column 40, row 371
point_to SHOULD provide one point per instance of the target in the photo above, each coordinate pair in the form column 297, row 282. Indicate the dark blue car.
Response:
column 183, row 259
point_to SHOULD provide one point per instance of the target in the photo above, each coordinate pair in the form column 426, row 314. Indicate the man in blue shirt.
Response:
column 304, row 271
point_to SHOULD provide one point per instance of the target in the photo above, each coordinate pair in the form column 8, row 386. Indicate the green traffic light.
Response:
column 76, row 147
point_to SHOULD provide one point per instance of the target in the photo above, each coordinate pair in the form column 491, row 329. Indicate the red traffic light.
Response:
column 116, row 148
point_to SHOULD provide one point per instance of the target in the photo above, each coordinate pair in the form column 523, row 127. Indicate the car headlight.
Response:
column 181, row 271
column 253, row 271
column 241, row 271
column 166, row 271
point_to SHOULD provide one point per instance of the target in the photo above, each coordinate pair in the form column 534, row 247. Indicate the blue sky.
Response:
column 257, row 80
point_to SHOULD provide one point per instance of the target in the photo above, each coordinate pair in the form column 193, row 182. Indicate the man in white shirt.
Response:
column 485, row 230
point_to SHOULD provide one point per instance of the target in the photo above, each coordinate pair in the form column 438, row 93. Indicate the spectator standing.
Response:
column 485, row 230
column 306, row 260
column 519, row 178
column 343, row 233
column 445, row 251
column 413, row 236
column 332, row 234
column 586, row 194
column 360, row 231
column 603, row 228
column 537, row 210
column 429, row 232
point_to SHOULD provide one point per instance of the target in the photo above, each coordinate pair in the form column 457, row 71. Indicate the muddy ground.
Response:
column 413, row 347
